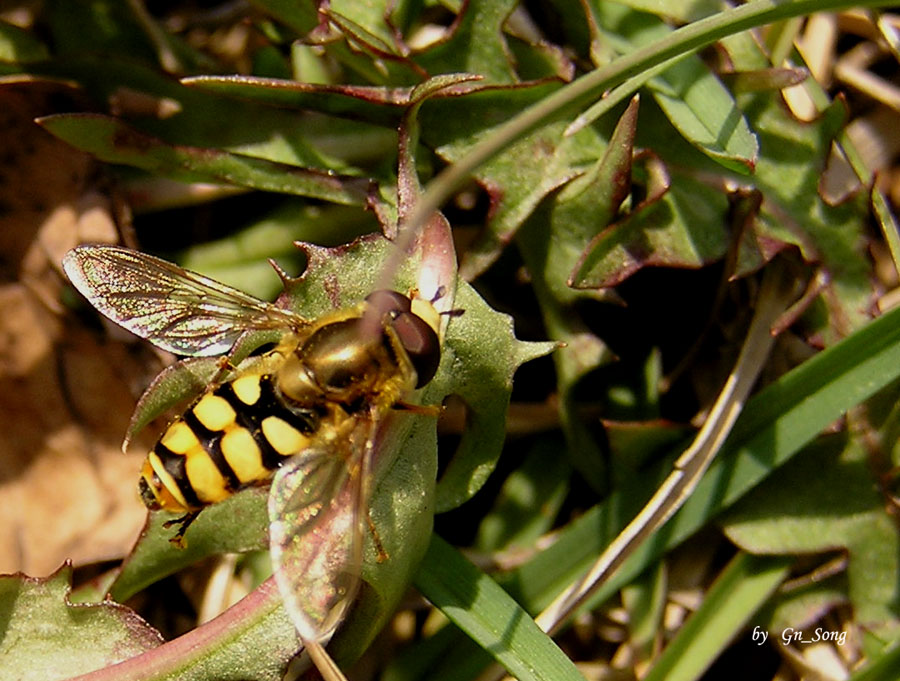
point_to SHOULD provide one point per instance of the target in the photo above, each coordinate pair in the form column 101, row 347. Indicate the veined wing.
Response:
column 173, row 308
column 317, row 508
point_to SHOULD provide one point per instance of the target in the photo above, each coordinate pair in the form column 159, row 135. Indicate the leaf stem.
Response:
column 172, row 659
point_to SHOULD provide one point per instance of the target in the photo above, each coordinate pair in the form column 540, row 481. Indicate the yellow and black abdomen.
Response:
column 233, row 436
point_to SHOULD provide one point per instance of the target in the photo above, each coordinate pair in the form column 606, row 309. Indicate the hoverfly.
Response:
column 304, row 415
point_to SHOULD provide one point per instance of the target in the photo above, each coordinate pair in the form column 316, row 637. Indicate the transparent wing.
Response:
column 173, row 308
column 317, row 508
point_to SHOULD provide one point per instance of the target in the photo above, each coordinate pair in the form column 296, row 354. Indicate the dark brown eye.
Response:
column 389, row 301
column 421, row 344
column 415, row 334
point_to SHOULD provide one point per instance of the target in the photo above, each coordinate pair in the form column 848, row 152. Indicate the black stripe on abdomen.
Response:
column 211, row 440
column 174, row 465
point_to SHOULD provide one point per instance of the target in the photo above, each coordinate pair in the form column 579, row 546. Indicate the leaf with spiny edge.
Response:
column 47, row 637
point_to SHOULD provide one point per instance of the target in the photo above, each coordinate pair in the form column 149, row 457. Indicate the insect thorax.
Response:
column 339, row 364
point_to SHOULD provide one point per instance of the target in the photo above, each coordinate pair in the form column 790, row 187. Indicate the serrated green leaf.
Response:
column 579, row 211
column 520, row 178
column 540, row 60
column 484, row 355
column 685, row 227
column 46, row 638
column 793, row 211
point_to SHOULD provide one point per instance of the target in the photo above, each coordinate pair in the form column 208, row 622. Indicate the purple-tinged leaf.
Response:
column 46, row 637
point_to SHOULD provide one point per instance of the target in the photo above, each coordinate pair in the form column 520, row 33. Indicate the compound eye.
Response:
column 421, row 344
column 385, row 301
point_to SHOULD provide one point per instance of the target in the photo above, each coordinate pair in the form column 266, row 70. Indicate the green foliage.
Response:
column 46, row 637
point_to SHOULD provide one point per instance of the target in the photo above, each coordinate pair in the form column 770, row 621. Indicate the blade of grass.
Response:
column 743, row 587
column 882, row 669
column 480, row 607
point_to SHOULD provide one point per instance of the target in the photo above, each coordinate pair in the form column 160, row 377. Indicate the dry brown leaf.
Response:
column 66, row 489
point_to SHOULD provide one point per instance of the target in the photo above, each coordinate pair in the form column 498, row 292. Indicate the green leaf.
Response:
column 518, row 180
column 19, row 45
column 793, row 211
column 376, row 104
column 476, row 44
column 46, row 638
column 191, row 117
column 580, row 211
column 822, row 501
column 476, row 604
column 112, row 141
column 693, row 99
column 575, row 214
column 368, row 20
column 485, row 354
column 529, row 500
column 742, row 588
column 684, row 227
column 488, row 148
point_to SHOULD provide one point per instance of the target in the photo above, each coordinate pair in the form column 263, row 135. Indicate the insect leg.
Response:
column 184, row 522
column 379, row 547
column 421, row 409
